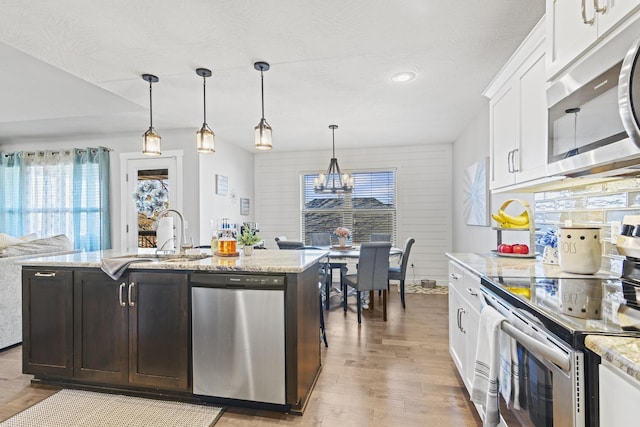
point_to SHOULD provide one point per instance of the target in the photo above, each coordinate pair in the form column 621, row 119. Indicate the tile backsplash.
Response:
column 591, row 204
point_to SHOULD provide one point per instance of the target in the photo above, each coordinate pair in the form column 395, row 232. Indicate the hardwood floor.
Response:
column 397, row 372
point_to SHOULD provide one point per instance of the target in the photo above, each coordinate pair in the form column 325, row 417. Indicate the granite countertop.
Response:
column 622, row 352
column 262, row 261
column 491, row 265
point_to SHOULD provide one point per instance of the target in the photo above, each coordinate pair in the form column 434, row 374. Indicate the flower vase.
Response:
column 248, row 250
column 342, row 242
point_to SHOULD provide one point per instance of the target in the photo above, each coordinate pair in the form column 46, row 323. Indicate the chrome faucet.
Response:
column 183, row 244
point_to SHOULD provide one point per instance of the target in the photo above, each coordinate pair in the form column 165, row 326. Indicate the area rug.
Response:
column 77, row 408
column 418, row 289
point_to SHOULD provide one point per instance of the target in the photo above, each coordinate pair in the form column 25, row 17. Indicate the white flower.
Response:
column 151, row 196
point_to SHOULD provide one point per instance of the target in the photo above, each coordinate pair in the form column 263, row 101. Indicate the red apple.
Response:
column 521, row 249
column 505, row 249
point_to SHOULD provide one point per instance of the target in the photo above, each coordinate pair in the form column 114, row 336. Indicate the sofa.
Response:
column 11, row 280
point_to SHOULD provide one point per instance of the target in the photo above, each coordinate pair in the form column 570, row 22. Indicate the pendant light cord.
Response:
column 262, row 91
column 204, row 92
column 333, row 137
column 150, row 107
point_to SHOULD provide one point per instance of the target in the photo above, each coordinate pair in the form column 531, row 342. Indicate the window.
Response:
column 369, row 208
column 57, row 192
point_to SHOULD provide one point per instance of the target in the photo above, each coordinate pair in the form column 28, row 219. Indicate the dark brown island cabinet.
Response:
column 83, row 329
column 82, row 325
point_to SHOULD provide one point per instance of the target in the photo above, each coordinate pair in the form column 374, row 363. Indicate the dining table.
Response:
column 339, row 257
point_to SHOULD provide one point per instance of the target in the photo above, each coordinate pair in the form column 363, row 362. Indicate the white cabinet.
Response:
column 618, row 393
column 464, row 317
column 518, row 116
column 575, row 25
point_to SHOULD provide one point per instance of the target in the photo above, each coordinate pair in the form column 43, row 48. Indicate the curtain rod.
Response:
column 54, row 152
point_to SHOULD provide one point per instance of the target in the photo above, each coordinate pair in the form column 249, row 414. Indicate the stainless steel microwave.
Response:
column 593, row 128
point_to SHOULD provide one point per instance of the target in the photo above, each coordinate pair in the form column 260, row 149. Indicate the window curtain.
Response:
column 57, row 192
column 10, row 195
column 91, row 218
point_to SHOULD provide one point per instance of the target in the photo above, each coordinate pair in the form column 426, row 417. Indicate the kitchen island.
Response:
column 83, row 329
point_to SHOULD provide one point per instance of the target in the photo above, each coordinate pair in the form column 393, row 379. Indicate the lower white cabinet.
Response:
column 464, row 317
column 618, row 394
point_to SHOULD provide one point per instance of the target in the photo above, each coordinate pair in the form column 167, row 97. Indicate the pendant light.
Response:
column 263, row 130
column 333, row 181
column 151, row 140
column 205, row 137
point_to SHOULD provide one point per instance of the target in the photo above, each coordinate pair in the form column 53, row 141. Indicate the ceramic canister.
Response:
column 579, row 249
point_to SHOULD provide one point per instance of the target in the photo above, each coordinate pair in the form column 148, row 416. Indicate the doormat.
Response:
column 418, row 289
column 76, row 408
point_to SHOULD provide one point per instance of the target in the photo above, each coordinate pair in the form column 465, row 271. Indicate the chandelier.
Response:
column 333, row 181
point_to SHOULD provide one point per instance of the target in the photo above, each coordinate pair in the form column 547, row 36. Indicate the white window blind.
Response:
column 369, row 208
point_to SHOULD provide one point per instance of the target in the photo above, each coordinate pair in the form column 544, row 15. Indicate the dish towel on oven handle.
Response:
column 485, row 388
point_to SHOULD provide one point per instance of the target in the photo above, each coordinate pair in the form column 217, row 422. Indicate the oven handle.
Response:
column 537, row 347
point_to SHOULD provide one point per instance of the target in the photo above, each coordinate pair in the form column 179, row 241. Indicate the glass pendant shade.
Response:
column 333, row 181
column 151, row 140
column 263, row 130
column 151, row 143
column 205, row 140
column 263, row 136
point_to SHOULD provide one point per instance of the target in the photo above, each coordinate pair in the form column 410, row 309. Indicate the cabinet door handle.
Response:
column 599, row 9
column 132, row 285
column 454, row 276
column 461, row 328
column 458, row 319
column 514, row 167
column 49, row 274
column 120, row 294
column 509, row 161
column 472, row 292
column 584, row 14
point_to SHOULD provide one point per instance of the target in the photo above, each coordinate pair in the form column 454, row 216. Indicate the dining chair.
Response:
column 289, row 244
column 399, row 273
column 380, row 237
column 320, row 239
column 372, row 274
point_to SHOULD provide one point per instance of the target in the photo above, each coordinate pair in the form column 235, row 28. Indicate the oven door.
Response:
column 549, row 390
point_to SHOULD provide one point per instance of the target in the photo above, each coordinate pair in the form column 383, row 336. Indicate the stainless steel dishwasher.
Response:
column 238, row 336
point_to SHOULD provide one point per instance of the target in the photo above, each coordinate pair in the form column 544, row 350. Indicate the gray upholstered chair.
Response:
column 289, row 244
column 399, row 273
column 320, row 239
column 372, row 274
column 380, row 237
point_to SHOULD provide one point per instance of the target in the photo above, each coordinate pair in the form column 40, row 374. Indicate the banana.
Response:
column 507, row 221
column 522, row 219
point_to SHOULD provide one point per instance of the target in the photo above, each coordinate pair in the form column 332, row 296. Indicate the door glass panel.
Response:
column 151, row 197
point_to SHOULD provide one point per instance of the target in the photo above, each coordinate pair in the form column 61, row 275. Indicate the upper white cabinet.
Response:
column 518, row 115
column 575, row 25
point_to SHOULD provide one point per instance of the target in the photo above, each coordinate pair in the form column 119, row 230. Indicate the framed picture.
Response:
column 476, row 194
column 244, row 206
column 222, row 185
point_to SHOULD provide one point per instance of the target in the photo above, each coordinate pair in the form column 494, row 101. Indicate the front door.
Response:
column 150, row 184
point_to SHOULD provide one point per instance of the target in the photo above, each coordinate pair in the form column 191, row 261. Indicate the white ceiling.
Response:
column 73, row 67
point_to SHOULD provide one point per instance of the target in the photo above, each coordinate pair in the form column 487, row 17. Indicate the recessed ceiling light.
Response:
column 404, row 76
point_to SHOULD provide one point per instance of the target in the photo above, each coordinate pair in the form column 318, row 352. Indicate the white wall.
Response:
column 424, row 196
column 472, row 146
column 237, row 165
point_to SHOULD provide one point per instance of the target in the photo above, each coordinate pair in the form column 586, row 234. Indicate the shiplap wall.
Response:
column 424, row 187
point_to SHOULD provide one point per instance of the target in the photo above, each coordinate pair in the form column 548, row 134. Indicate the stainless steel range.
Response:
column 550, row 318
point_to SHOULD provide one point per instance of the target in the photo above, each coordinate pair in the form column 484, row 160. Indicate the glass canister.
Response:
column 579, row 249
